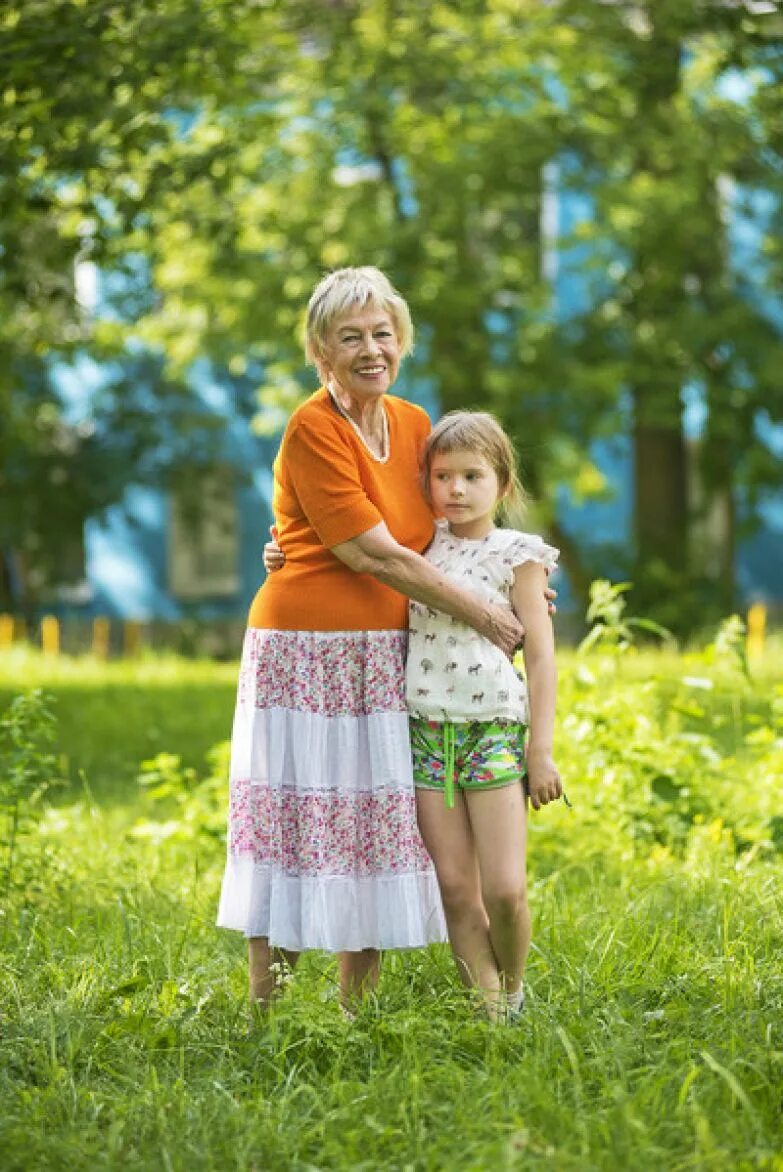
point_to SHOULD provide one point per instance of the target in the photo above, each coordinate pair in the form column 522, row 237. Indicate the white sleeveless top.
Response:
column 453, row 673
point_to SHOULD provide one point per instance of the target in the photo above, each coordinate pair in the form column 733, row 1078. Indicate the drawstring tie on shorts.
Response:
column 448, row 763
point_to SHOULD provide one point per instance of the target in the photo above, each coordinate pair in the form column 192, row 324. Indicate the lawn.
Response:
column 653, row 1036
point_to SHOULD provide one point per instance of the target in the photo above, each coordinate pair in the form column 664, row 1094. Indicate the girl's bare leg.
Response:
column 498, row 819
column 264, row 968
column 359, row 972
column 448, row 837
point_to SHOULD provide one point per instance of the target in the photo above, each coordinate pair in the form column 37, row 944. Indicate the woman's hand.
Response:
column 274, row 558
column 543, row 779
column 551, row 597
column 504, row 629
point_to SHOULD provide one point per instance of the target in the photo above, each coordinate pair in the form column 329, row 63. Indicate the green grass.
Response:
column 653, row 1034
column 113, row 715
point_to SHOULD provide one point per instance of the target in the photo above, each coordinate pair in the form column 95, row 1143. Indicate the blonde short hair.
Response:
column 354, row 287
column 479, row 432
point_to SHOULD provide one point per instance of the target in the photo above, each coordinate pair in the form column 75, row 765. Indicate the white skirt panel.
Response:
column 324, row 851
column 336, row 914
column 279, row 748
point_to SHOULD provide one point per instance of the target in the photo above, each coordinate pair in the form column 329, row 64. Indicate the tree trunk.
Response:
column 660, row 495
column 660, row 463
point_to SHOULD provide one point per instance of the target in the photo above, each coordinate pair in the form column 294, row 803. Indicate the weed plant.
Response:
column 652, row 1037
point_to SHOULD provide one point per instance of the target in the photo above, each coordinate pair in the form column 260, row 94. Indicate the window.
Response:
column 203, row 536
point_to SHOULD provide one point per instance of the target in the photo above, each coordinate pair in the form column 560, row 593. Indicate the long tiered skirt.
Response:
column 323, row 849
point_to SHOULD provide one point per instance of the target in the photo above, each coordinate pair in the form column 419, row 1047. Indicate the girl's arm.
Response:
column 376, row 552
column 541, row 672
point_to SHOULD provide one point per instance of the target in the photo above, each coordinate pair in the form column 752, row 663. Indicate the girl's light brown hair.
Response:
column 480, row 432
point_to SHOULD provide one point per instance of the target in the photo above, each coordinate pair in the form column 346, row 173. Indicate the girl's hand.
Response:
column 274, row 558
column 543, row 779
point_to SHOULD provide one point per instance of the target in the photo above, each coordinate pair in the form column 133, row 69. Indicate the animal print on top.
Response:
column 452, row 673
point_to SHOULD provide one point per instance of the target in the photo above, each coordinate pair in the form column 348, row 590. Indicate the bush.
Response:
column 28, row 732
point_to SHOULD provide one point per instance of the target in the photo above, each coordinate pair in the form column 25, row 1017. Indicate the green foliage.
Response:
column 666, row 759
column 27, row 769
column 196, row 804
column 610, row 625
column 730, row 644
column 215, row 158
column 96, row 101
column 666, row 102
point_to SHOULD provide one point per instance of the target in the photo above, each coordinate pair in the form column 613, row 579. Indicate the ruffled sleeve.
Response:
column 529, row 547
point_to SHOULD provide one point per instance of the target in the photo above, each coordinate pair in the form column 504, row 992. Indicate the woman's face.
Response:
column 361, row 352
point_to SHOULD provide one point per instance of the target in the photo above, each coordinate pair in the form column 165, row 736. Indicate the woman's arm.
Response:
column 274, row 559
column 541, row 672
column 376, row 552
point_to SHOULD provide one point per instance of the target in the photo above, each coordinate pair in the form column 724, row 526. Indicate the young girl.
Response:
column 471, row 713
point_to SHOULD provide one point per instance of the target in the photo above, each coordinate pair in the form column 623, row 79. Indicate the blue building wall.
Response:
column 127, row 547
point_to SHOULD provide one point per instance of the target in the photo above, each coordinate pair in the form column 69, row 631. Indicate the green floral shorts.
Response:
column 474, row 755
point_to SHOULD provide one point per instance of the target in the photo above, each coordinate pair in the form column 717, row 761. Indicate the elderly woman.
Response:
column 324, row 850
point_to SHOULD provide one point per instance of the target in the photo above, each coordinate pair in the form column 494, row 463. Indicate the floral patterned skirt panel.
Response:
column 323, row 848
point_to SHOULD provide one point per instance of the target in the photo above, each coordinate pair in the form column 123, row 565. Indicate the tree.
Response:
column 421, row 153
column 91, row 94
column 671, row 110
column 216, row 158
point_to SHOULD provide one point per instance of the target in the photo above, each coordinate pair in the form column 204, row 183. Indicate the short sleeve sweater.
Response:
column 452, row 672
column 329, row 488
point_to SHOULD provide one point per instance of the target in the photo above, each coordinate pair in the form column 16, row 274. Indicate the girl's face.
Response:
column 465, row 490
column 361, row 353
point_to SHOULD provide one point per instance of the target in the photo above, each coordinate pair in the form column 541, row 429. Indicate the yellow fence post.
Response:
column 101, row 632
column 757, row 625
column 131, row 637
column 6, row 630
column 50, row 635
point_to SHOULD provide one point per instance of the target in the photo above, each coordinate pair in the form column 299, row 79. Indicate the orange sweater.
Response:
column 328, row 489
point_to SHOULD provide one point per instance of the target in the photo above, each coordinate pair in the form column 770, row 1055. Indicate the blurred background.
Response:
column 581, row 202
